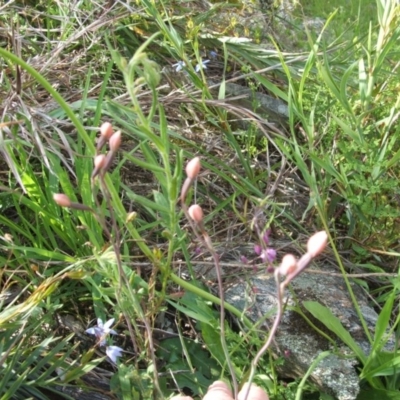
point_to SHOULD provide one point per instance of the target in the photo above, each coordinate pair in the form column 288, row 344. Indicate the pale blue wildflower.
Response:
column 213, row 54
column 102, row 330
column 179, row 66
column 113, row 352
column 202, row 65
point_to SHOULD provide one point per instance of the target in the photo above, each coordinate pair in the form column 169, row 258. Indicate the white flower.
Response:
column 203, row 65
column 102, row 330
column 179, row 66
column 113, row 352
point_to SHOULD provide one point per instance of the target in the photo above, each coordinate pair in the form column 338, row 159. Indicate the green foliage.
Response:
column 351, row 134
column 194, row 374
column 33, row 361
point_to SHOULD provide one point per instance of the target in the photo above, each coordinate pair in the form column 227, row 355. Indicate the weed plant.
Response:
column 123, row 250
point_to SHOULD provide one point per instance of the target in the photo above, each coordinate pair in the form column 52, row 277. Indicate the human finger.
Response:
column 255, row 393
column 218, row 391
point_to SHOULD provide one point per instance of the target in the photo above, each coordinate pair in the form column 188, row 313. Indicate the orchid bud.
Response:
column 115, row 141
column 288, row 265
column 196, row 213
column 317, row 243
column 99, row 162
column 257, row 249
column 193, row 168
column 106, row 130
column 62, row 200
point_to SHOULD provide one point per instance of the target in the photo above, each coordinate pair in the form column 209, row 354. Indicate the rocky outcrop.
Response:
column 297, row 341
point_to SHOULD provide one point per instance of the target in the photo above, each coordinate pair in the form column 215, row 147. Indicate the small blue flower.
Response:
column 203, row 65
column 113, row 352
column 179, row 66
column 213, row 54
column 102, row 330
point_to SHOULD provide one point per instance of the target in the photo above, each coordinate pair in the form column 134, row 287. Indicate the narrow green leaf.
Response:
column 191, row 313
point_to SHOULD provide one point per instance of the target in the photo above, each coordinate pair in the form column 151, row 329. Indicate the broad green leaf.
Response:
column 324, row 315
column 383, row 321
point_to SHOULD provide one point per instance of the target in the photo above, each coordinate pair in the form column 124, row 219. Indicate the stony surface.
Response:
column 334, row 375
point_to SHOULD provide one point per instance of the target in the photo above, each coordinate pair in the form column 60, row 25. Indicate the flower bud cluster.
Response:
column 291, row 267
column 192, row 171
column 102, row 162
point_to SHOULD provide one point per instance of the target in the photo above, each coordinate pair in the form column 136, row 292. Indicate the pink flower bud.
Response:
column 288, row 265
column 106, row 130
column 62, row 200
column 99, row 162
column 193, row 168
column 196, row 213
column 115, row 141
column 317, row 243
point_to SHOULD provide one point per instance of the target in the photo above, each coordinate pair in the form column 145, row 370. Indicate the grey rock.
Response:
column 334, row 375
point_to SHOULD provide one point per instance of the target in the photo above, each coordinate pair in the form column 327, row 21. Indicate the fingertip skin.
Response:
column 179, row 397
column 255, row 393
column 219, row 390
